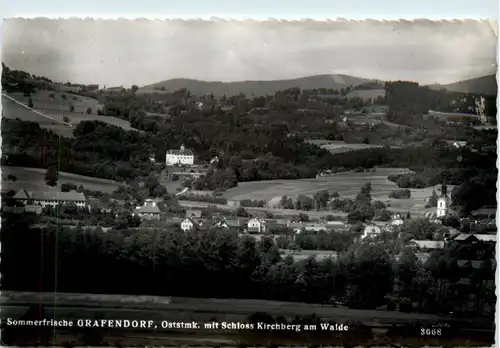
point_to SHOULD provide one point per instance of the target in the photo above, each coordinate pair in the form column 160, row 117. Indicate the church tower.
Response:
column 443, row 202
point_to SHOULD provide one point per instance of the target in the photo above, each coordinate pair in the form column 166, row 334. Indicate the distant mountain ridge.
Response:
column 256, row 88
column 481, row 85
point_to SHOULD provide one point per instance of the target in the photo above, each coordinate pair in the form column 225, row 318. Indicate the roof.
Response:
column 335, row 223
column 193, row 221
column 175, row 220
column 22, row 194
column 463, row 236
column 180, row 152
column 429, row 244
column 486, row 237
column 484, row 211
column 481, row 237
column 51, row 196
column 234, row 222
column 259, row 219
column 148, row 209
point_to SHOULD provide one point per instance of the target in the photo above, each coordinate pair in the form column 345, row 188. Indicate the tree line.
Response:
column 219, row 264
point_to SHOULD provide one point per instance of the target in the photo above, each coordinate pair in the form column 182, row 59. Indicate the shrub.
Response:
column 400, row 194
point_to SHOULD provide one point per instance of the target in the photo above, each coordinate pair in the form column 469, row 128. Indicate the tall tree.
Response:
column 51, row 175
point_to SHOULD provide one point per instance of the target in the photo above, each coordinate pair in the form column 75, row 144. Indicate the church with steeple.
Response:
column 443, row 203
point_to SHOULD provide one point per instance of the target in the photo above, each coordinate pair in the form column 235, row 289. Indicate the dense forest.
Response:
column 222, row 265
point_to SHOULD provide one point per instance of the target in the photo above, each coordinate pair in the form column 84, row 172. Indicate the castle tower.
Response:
column 443, row 202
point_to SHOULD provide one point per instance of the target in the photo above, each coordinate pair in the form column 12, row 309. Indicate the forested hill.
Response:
column 486, row 85
column 255, row 88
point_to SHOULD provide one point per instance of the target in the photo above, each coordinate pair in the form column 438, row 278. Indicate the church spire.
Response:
column 444, row 190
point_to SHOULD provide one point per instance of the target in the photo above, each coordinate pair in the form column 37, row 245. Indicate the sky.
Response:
column 141, row 52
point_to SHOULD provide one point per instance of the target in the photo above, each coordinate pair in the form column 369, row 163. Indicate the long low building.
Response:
column 51, row 198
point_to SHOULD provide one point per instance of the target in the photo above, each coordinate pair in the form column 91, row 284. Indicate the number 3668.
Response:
column 430, row 332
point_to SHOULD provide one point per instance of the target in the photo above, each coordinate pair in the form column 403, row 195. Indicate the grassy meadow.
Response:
column 347, row 184
column 57, row 108
column 33, row 179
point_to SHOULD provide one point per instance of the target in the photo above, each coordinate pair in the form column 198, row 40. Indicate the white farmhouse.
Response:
column 181, row 156
column 256, row 225
column 188, row 224
column 371, row 231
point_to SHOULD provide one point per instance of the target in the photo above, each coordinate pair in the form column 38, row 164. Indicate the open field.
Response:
column 347, row 184
column 144, row 307
column 13, row 110
column 57, row 109
column 33, row 179
column 50, row 100
column 340, row 146
column 253, row 210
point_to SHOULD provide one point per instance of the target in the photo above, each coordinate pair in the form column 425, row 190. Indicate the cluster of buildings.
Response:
column 256, row 225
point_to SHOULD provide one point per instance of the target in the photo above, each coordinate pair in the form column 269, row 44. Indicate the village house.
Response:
column 233, row 225
column 181, row 156
column 174, row 222
column 51, row 198
column 296, row 227
column 148, row 211
column 471, row 238
column 316, row 227
column 427, row 245
column 473, row 260
column 276, row 226
column 371, row 231
column 256, row 225
column 396, row 220
column 189, row 224
column 432, row 217
column 484, row 213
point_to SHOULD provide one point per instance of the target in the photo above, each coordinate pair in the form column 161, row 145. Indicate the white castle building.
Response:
column 181, row 156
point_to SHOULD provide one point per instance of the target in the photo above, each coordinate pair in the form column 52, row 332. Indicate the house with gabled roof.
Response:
column 51, row 198
column 148, row 211
column 256, row 225
column 469, row 238
column 189, row 224
column 276, row 226
column 232, row 224
column 427, row 244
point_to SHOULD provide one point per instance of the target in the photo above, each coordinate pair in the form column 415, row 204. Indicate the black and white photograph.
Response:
column 223, row 183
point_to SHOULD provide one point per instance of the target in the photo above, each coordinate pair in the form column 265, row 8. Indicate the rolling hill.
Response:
column 256, row 88
column 481, row 85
